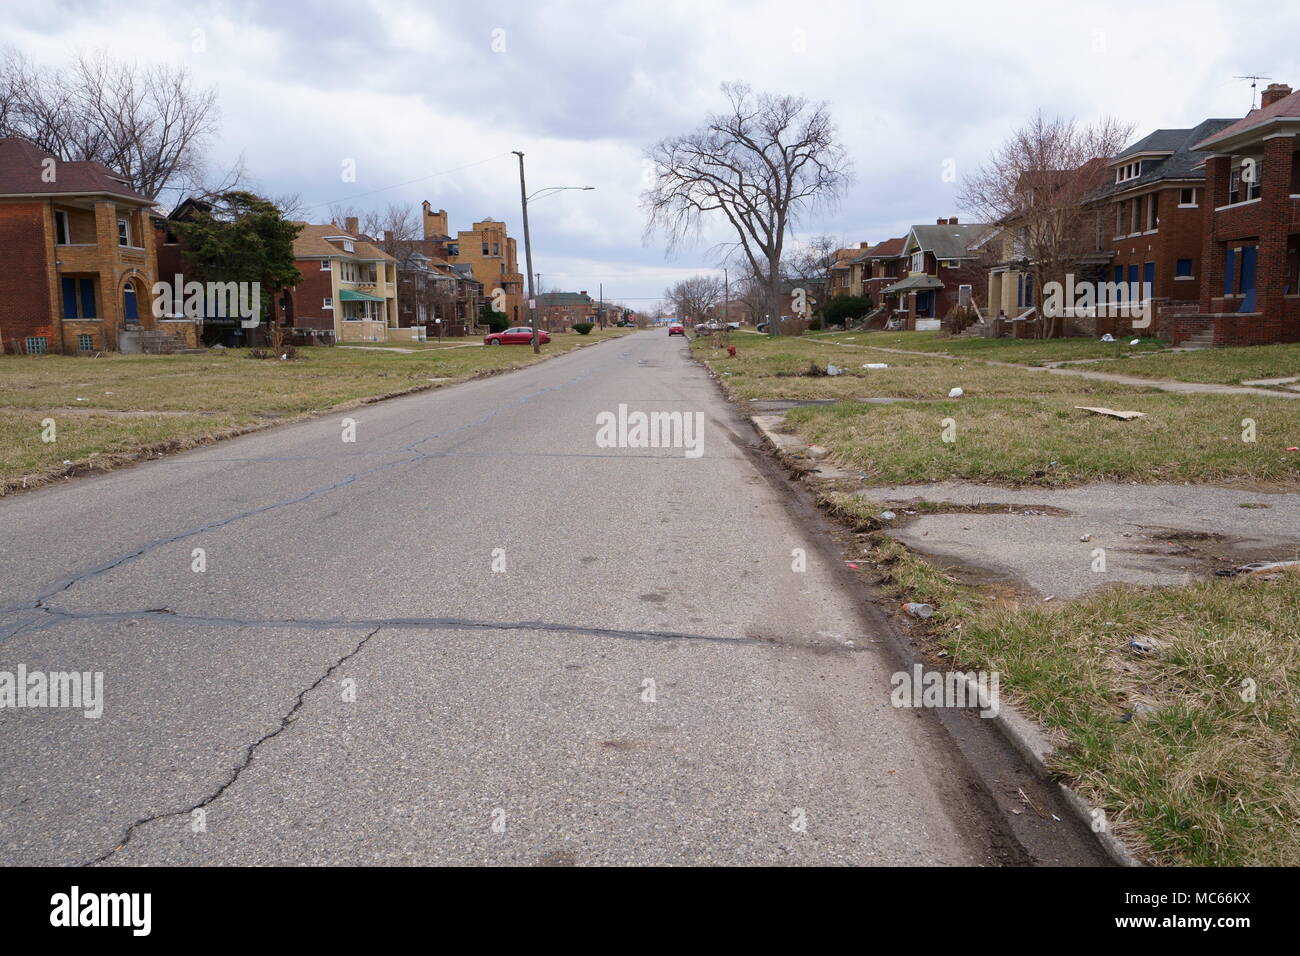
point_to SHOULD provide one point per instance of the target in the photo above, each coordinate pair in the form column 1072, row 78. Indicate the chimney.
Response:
column 1272, row 93
column 388, row 236
column 435, row 223
column 350, row 225
column 952, row 221
column 583, row 292
column 941, row 222
column 864, row 245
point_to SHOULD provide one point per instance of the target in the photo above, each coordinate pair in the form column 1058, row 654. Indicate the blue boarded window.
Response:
column 1183, row 269
column 1229, row 271
column 88, row 299
column 69, row 298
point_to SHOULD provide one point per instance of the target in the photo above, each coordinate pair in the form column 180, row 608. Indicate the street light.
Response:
column 524, row 200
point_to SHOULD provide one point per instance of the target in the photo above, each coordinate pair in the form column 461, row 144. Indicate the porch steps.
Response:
column 1201, row 340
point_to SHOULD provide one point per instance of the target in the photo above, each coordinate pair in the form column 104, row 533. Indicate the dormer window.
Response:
column 918, row 261
column 349, row 245
column 1128, row 171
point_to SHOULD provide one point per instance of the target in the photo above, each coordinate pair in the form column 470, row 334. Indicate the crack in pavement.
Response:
column 250, row 752
column 57, row 615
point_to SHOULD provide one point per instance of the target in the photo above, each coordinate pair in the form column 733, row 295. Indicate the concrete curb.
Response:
column 1024, row 734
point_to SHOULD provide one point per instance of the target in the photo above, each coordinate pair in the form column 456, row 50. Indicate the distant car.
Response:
column 518, row 336
column 677, row 329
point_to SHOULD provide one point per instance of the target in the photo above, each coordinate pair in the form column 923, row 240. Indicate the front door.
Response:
column 130, row 309
column 1248, row 278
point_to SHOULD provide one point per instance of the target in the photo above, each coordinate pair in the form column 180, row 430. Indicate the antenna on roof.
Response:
column 1254, row 80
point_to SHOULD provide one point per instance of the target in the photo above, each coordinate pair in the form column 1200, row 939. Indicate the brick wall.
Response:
column 25, row 302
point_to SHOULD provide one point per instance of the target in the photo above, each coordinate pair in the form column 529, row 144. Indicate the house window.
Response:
column 85, row 343
column 329, row 302
column 37, row 344
column 1119, row 218
column 1183, row 269
column 124, row 232
column 485, row 248
column 918, row 261
column 1134, row 213
column 1153, row 212
column 325, row 265
column 1187, row 196
column 349, row 245
column 62, row 234
column 496, row 248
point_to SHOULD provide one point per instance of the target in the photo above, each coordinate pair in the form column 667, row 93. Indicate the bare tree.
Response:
column 760, row 165
column 693, row 298
column 149, row 123
column 1038, row 186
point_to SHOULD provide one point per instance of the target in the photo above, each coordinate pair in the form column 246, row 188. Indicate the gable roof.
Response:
column 1285, row 111
column 889, row 249
column 948, row 241
column 563, row 298
column 21, row 166
column 313, row 243
column 1182, row 160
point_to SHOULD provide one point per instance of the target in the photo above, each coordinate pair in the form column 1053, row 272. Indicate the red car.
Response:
column 677, row 329
column 520, row 336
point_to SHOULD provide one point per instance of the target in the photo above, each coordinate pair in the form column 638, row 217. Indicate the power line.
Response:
column 408, row 182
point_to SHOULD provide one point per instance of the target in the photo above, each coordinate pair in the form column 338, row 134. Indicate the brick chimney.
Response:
column 350, row 225
column 1272, row 93
column 435, row 223
column 864, row 245
column 941, row 222
column 952, row 221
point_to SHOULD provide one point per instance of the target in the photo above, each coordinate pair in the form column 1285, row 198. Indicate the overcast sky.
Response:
column 422, row 90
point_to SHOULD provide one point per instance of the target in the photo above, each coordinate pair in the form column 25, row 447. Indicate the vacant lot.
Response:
column 1024, row 351
column 119, row 405
column 1010, row 425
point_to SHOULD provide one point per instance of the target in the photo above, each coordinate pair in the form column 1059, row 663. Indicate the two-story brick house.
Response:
column 1250, row 290
column 78, row 244
column 557, row 311
column 348, row 286
column 1152, row 215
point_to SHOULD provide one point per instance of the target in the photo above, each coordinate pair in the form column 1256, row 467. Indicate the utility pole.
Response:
column 600, row 309
column 528, row 256
column 726, row 297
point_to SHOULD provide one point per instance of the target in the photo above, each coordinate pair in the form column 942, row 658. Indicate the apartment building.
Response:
column 78, row 245
column 488, row 251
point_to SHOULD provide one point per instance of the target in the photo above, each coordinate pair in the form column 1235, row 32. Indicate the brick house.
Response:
column 943, row 266
column 488, row 251
column 1250, row 289
column 348, row 286
column 78, row 244
column 557, row 311
column 881, row 266
column 1152, row 215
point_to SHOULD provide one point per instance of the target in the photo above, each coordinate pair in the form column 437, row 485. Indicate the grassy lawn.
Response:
column 120, row 404
column 1010, row 425
column 1190, row 743
column 1023, row 351
column 1216, row 366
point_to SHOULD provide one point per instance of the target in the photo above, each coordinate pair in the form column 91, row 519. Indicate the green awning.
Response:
column 915, row 283
column 351, row 295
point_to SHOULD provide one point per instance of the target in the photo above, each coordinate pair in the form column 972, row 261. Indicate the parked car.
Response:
column 677, row 329
column 523, row 335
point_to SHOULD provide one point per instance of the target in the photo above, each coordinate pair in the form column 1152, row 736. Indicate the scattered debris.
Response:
column 1258, row 569
column 1108, row 337
column 956, row 393
column 1085, row 537
column 887, row 516
column 1141, row 645
column 1136, row 342
column 833, row 369
column 1123, row 416
column 875, row 365
column 818, row 452
column 918, row 610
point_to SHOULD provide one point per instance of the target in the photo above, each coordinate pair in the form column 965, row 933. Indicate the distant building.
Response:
column 488, row 251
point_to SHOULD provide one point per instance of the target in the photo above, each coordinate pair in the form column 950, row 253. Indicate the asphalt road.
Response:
column 350, row 681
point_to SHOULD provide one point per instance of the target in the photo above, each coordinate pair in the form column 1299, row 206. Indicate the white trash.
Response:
column 834, row 370
column 1108, row 337
column 875, row 365
column 956, row 393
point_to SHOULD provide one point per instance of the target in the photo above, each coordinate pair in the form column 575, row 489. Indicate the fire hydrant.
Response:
column 731, row 350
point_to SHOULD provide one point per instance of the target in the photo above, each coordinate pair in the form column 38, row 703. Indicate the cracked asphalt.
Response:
column 351, row 682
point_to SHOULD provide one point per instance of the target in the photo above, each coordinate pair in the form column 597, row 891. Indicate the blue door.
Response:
column 130, row 311
column 925, row 303
column 1248, row 278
